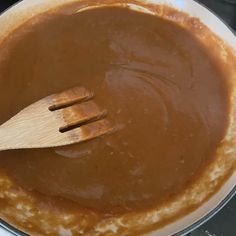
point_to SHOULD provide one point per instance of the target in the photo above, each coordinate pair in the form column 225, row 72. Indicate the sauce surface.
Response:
column 160, row 86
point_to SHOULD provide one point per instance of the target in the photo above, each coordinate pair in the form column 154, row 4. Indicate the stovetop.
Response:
column 224, row 222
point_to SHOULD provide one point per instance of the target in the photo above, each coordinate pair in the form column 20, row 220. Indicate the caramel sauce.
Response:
column 161, row 87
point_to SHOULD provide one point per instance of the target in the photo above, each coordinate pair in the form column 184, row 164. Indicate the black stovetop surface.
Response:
column 224, row 222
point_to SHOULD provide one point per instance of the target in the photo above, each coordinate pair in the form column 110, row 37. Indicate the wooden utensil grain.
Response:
column 57, row 120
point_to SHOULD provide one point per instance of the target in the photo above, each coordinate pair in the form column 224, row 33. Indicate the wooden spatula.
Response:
column 57, row 120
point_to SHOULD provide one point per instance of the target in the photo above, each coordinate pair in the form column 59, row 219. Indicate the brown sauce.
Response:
column 160, row 86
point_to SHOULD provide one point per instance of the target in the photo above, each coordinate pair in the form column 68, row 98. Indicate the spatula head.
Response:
column 57, row 120
column 79, row 116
